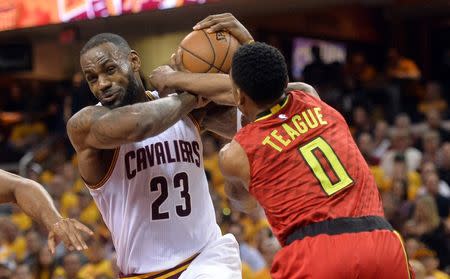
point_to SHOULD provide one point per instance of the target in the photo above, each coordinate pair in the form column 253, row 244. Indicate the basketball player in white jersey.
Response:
column 142, row 163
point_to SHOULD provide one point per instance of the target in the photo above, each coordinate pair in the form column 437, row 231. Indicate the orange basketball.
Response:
column 208, row 52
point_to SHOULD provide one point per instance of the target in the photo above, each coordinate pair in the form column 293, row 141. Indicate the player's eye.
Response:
column 91, row 79
column 111, row 70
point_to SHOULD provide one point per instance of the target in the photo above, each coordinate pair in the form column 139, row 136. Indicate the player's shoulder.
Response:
column 231, row 158
column 86, row 116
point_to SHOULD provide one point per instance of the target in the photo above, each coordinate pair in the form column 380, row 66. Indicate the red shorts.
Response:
column 377, row 254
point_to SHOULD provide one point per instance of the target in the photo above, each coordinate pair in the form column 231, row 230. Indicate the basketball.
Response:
column 204, row 52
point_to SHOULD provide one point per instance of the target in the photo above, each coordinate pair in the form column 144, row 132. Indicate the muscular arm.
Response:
column 30, row 196
column 102, row 128
column 217, row 87
column 235, row 168
column 303, row 87
column 218, row 119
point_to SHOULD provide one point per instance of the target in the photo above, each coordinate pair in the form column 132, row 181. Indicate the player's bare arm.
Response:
column 215, row 87
column 218, row 119
column 99, row 127
column 32, row 198
column 302, row 87
column 233, row 163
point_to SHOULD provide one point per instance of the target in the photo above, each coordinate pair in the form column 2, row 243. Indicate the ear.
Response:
column 135, row 61
column 240, row 97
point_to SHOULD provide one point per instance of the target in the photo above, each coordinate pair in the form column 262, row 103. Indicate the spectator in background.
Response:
column 28, row 133
column 444, row 162
column 404, row 207
column 15, row 101
column 358, row 73
column 5, row 271
column 13, row 244
column 381, row 139
column 432, row 188
column 419, row 269
column 399, row 67
column 427, row 226
column 434, row 122
column 34, row 244
column 98, row 264
column 22, row 272
column 80, row 96
column 401, row 144
column 46, row 264
column 71, row 267
column 250, row 255
column 402, row 121
column 365, row 145
column 211, row 161
column 430, row 146
column 427, row 169
column 316, row 73
column 433, row 99
column 360, row 121
column 431, row 264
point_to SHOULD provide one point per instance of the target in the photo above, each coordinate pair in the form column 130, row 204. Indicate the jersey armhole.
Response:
column 102, row 182
column 195, row 121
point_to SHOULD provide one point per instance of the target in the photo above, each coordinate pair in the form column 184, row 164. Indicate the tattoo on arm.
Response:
column 103, row 128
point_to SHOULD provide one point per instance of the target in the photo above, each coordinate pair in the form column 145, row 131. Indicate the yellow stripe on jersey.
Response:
column 164, row 274
column 404, row 252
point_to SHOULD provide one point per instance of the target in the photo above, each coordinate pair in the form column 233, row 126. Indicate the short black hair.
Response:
column 261, row 71
column 106, row 38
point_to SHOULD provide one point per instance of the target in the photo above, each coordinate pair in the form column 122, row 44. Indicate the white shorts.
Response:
column 219, row 260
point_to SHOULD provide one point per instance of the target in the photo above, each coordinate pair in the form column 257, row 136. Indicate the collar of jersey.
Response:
column 273, row 110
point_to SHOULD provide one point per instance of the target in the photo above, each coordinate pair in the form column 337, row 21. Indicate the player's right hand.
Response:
column 176, row 61
column 225, row 22
column 68, row 231
column 159, row 79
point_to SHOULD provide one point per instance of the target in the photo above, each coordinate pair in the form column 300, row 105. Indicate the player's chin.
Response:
column 112, row 105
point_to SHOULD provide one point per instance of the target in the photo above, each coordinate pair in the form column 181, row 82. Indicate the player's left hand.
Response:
column 68, row 231
column 225, row 22
column 159, row 80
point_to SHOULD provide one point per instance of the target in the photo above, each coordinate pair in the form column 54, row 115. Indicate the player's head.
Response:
column 111, row 69
column 259, row 76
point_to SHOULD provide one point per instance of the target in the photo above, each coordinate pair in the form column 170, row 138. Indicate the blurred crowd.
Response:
column 398, row 119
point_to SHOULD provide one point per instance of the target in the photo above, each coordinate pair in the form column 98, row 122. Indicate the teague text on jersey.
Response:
column 300, row 124
column 158, row 153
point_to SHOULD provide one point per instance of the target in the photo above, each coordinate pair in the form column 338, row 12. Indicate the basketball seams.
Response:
column 226, row 53
column 211, row 45
column 200, row 58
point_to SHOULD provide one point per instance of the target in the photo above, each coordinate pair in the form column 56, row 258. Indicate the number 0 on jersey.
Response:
column 307, row 151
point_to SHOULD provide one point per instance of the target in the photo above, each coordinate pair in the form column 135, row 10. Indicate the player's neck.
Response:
column 260, row 111
column 140, row 97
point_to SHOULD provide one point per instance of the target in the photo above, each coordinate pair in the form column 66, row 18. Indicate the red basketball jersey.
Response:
column 305, row 166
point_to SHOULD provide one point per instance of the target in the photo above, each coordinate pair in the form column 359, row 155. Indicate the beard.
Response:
column 131, row 91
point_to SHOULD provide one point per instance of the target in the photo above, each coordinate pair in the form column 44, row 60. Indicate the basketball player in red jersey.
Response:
column 32, row 198
column 297, row 159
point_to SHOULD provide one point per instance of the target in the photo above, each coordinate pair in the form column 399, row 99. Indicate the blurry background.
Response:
column 384, row 64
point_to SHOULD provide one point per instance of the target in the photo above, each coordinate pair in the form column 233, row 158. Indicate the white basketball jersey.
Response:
column 156, row 201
